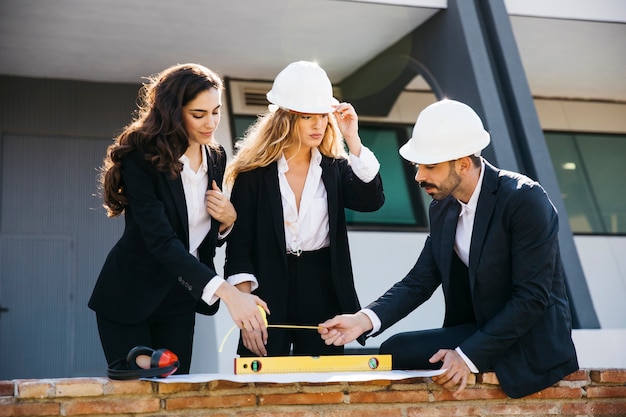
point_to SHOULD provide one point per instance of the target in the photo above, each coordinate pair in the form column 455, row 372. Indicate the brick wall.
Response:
column 584, row 393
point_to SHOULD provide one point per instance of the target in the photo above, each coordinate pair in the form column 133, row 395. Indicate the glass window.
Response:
column 241, row 124
column 590, row 169
column 403, row 199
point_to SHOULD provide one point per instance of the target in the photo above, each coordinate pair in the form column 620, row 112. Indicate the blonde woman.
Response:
column 291, row 180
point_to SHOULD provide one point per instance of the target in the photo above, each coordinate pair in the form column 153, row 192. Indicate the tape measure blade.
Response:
column 296, row 364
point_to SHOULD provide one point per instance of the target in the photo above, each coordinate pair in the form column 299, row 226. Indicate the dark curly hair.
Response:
column 157, row 128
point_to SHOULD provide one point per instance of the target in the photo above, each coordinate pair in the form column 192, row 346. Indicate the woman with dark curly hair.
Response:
column 164, row 173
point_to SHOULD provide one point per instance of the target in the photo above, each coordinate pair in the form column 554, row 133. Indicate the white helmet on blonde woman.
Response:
column 445, row 131
column 303, row 87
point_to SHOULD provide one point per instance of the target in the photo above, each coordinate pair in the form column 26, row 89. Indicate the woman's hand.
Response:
column 244, row 310
column 253, row 340
column 220, row 208
column 348, row 123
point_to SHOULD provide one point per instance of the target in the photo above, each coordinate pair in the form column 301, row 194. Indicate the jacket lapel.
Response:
column 178, row 193
column 272, row 193
column 484, row 211
column 211, row 157
column 447, row 239
column 330, row 183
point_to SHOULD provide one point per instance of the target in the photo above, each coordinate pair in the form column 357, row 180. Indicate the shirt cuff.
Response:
column 373, row 318
column 222, row 235
column 467, row 360
column 243, row 277
column 208, row 293
column 365, row 166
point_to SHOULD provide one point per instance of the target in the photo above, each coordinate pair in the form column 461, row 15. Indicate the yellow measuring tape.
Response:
column 289, row 364
column 275, row 326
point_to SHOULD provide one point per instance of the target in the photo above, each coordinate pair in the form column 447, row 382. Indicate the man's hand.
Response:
column 457, row 371
column 345, row 328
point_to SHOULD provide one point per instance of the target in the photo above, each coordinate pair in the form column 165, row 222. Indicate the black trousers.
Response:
column 412, row 350
column 171, row 327
column 311, row 301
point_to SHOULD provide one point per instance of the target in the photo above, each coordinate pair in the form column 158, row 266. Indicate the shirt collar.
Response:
column 473, row 201
column 316, row 158
column 203, row 167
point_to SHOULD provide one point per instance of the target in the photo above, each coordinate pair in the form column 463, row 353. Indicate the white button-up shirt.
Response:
column 307, row 229
column 465, row 224
column 195, row 185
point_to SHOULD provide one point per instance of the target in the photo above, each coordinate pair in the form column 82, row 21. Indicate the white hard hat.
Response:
column 303, row 87
column 445, row 131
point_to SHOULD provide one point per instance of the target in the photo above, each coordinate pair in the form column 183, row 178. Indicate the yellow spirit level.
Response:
column 296, row 364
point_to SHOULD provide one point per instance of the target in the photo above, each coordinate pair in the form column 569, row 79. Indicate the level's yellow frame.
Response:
column 295, row 364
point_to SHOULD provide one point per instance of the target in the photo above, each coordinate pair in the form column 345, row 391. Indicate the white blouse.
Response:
column 307, row 229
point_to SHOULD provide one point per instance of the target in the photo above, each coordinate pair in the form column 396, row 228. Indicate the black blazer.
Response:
column 516, row 282
column 256, row 244
column 153, row 255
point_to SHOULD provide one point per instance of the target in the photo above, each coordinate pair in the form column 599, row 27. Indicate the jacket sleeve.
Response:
column 358, row 195
column 153, row 210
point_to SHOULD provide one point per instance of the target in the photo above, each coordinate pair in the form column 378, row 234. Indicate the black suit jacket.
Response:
column 256, row 244
column 516, row 282
column 152, row 256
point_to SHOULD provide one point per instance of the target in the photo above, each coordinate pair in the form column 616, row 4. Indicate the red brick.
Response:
column 79, row 387
column 179, row 387
column 478, row 393
column 302, row 398
column 595, row 408
column 389, row 397
column 558, row 392
column 415, row 380
column 293, row 386
column 282, row 413
column 218, row 401
column 7, row 389
column 377, row 382
column 34, row 388
column 488, row 378
column 580, row 375
column 33, row 409
column 226, row 385
column 353, row 412
column 134, row 406
column 606, row 392
column 112, row 387
column 523, row 407
column 457, row 410
column 415, row 386
column 615, row 376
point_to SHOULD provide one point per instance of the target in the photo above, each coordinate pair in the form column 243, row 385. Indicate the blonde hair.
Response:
column 270, row 135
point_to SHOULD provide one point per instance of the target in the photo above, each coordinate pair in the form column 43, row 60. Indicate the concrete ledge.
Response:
column 591, row 392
